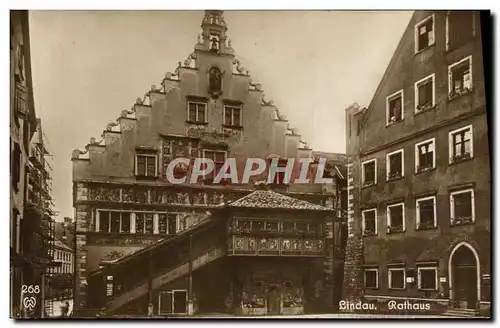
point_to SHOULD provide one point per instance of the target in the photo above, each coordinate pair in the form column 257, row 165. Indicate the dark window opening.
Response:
column 425, row 156
column 146, row 165
column 395, row 165
column 397, row 279
column 425, row 34
column 219, row 158
column 371, row 278
column 104, row 221
column 427, row 279
column 369, row 173
column 425, row 94
column 460, row 28
column 462, row 207
column 395, row 109
column 369, row 223
column 426, row 213
column 16, row 167
column 461, row 79
column 461, row 145
column 197, row 112
column 395, row 218
column 232, row 116
column 125, row 217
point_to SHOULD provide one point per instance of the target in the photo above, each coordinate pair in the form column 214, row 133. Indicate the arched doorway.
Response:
column 464, row 269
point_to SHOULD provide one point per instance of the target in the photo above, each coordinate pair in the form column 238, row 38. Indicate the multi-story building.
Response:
column 147, row 245
column 63, row 258
column 419, row 213
column 28, row 254
column 37, row 227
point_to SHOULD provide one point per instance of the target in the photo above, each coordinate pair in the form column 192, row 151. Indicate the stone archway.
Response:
column 464, row 276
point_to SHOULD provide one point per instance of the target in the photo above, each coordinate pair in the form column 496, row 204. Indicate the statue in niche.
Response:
column 215, row 82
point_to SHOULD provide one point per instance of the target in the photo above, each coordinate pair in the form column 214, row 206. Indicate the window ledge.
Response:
column 146, row 177
column 393, row 231
column 232, row 127
column 426, row 228
column 196, row 123
column 452, row 97
column 388, row 124
column 454, row 223
column 365, row 234
column 368, row 185
column 371, row 288
column 418, row 52
column 454, row 161
column 395, row 178
column 391, row 288
column 424, row 109
column 421, row 171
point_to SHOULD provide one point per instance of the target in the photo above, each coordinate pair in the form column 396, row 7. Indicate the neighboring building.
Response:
column 419, row 212
column 29, row 228
column 252, row 251
column 65, row 232
column 37, row 228
column 63, row 258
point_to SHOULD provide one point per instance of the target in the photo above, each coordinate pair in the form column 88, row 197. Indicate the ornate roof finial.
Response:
column 214, row 29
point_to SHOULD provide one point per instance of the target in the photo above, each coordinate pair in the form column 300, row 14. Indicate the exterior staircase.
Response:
column 164, row 278
column 461, row 313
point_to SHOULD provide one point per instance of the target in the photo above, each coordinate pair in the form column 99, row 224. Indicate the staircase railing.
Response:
column 164, row 278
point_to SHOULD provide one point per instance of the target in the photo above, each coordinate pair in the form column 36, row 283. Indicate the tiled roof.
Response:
column 271, row 199
column 59, row 244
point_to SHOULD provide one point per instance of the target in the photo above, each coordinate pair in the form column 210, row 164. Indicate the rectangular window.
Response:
column 427, row 278
column 460, row 144
column 425, row 155
column 16, row 166
column 369, row 172
column 145, row 165
column 426, row 213
column 424, row 34
column 279, row 177
column 395, row 164
column 395, row 218
column 369, row 223
column 125, row 222
column 394, row 107
column 397, row 278
column 219, row 157
column 104, row 222
column 371, row 278
column 232, row 116
column 462, row 207
column 162, row 224
column 114, row 221
column 197, row 112
column 425, row 93
column 460, row 28
column 172, row 224
column 144, row 223
column 460, row 77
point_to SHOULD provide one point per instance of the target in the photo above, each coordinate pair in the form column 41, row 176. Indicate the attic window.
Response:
column 145, row 165
column 394, row 107
column 424, row 34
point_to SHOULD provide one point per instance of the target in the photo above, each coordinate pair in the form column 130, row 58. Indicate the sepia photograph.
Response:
column 251, row 164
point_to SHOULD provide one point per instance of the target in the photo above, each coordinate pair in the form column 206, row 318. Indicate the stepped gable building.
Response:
column 147, row 246
column 419, row 212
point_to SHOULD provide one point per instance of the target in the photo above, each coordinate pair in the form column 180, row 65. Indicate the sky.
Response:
column 88, row 66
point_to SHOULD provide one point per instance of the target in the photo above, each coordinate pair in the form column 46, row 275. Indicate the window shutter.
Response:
column 431, row 37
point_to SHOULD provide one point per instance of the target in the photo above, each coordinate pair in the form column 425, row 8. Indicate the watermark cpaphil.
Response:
column 296, row 171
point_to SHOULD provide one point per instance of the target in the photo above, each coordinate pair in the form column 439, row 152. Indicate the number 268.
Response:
column 30, row 289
